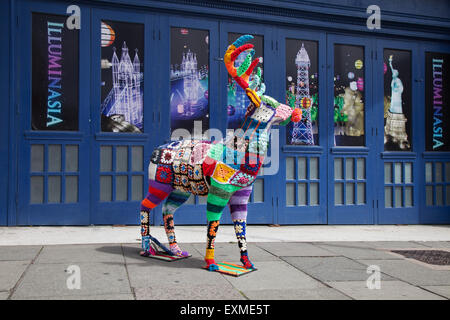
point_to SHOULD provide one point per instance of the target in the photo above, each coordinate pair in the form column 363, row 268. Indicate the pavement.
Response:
column 286, row 271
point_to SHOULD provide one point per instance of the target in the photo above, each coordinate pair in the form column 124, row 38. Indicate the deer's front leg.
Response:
column 238, row 209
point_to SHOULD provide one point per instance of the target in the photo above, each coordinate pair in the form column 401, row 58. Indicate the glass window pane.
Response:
column 258, row 190
column 349, row 167
column 54, row 158
column 122, row 65
column 349, row 97
column 429, row 195
column 387, row 172
column 313, row 168
column 338, row 193
column 54, row 189
column 121, row 158
column 447, row 171
column 54, row 73
column 428, row 172
column 438, row 172
column 349, row 193
column 302, row 90
column 36, row 189
column 388, row 197
column 361, row 193
column 189, row 79
column 314, row 194
column 105, row 158
column 437, row 101
column 397, row 100
column 121, row 188
column 408, row 172
column 398, row 197
column 301, row 168
column 71, row 189
column 338, row 172
column 71, row 158
column 37, row 158
column 439, row 196
column 137, row 158
column 408, row 196
column 237, row 101
column 290, row 168
column 137, row 185
column 447, row 195
column 105, row 188
column 398, row 172
column 290, row 194
column 360, row 168
column 301, row 194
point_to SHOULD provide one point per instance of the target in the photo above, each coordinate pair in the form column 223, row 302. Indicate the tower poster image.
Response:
column 348, row 95
column 54, row 76
column 437, row 108
column 302, row 90
column 122, row 61
column 397, row 100
column 189, row 78
column 237, row 101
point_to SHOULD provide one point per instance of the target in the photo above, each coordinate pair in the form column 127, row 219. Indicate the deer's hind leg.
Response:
column 174, row 201
column 238, row 209
column 157, row 192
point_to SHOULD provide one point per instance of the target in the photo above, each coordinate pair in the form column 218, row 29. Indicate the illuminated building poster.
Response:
column 122, row 61
column 55, row 63
column 437, row 108
column 189, row 78
column 302, row 90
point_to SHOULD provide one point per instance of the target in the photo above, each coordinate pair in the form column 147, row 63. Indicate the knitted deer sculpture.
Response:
column 224, row 171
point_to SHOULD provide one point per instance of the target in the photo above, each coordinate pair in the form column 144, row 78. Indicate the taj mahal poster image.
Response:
column 122, row 86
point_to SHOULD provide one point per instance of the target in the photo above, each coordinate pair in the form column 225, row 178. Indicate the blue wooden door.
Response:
column 52, row 119
column 351, row 132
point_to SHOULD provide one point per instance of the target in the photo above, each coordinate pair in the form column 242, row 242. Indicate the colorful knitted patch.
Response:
column 232, row 269
column 164, row 174
column 156, row 156
column 241, row 179
column 223, row 173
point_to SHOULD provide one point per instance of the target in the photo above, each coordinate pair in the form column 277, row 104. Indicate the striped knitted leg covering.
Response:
column 218, row 197
column 238, row 209
column 157, row 192
column 175, row 200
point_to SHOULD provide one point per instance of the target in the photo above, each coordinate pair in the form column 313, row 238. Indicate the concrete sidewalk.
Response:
column 286, row 270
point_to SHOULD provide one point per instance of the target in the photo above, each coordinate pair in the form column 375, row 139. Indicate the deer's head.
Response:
column 263, row 109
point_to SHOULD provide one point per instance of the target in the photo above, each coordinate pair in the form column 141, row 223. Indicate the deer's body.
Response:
column 223, row 171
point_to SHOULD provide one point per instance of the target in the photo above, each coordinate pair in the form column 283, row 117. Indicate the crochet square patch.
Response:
column 264, row 113
column 251, row 163
column 199, row 152
column 223, row 173
column 167, row 156
column 199, row 188
column 241, row 179
column 164, row 174
column 156, row 156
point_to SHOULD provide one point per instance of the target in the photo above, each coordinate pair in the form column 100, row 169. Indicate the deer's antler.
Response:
column 242, row 74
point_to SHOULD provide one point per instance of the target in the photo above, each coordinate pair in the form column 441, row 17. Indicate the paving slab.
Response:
column 18, row 253
column 4, row 295
column 10, row 273
column 131, row 253
column 50, row 280
column 230, row 251
column 441, row 290
column 274, row 275
column 81, row 253
column 358, row 252
column 296, row 294
column 118, row 296
column 189, row 292
column 295, row 249
column 389, row 290
column 435, row 244
column 411, row 272
column 331, row 268
column 375, row 244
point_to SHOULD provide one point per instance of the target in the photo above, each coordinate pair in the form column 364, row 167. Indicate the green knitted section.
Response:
column 271, row 101
column 175, row 200
column 218, row 197
column 216, row 151
column 245, row 65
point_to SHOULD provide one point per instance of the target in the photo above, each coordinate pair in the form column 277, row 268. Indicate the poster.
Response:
column 348, row 95
column 55, row 65
column 237, row 100
column 122, row 86
column 437, row 113
column 397, row 100
column 189, row 78
column 302, row 90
